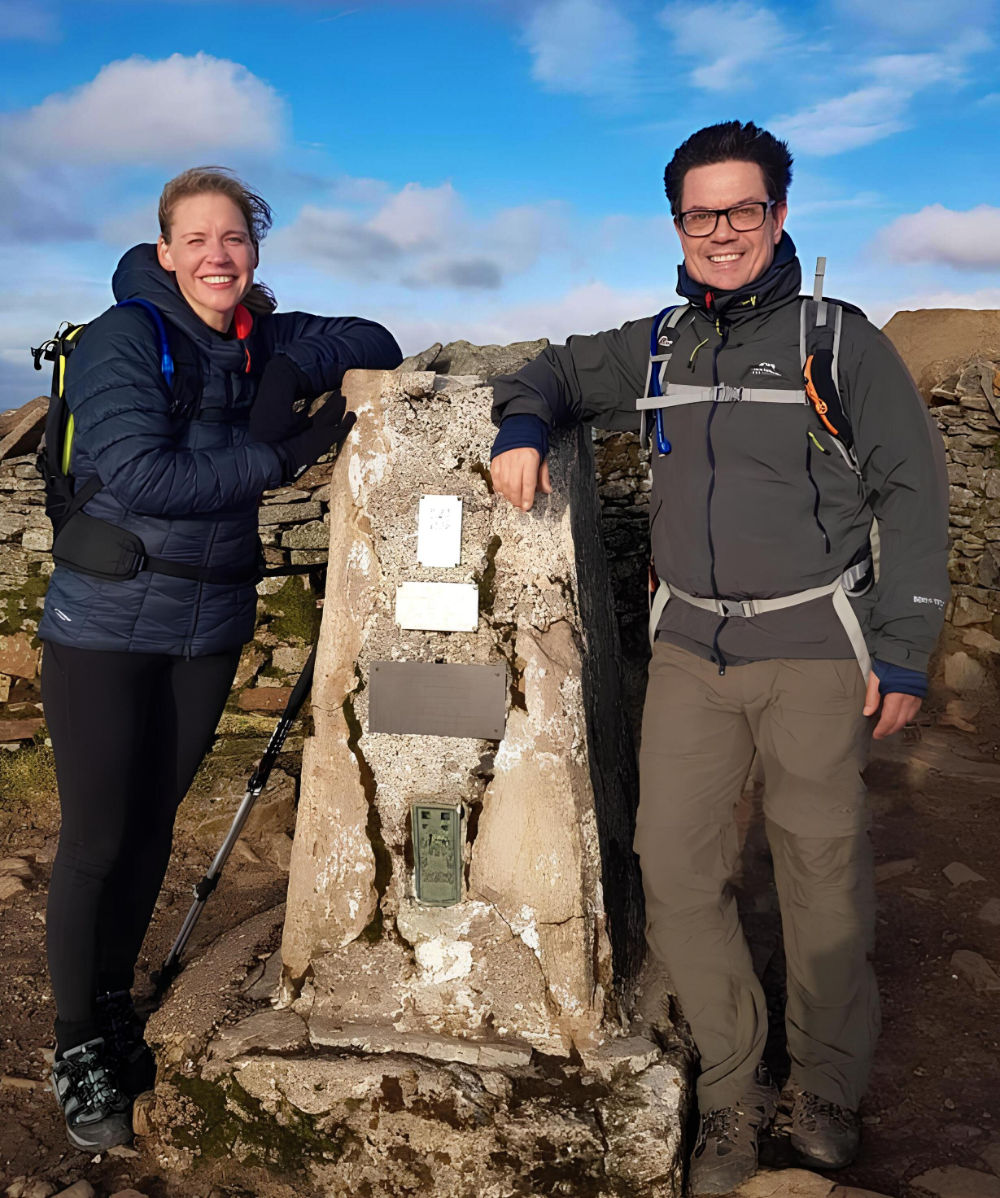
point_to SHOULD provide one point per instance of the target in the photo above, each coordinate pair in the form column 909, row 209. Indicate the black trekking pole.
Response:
column 258, row 780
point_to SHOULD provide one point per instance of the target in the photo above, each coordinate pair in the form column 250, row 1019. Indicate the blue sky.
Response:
column 490, row 170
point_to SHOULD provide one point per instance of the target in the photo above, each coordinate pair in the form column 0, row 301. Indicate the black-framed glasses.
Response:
column 743, row 218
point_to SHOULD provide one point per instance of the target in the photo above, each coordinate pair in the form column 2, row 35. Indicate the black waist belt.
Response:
column 104, row 550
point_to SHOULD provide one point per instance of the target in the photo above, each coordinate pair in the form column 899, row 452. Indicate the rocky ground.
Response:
column 932, row 1118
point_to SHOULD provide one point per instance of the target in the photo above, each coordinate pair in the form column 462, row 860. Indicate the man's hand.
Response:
column 897, row 709
column 518, row 474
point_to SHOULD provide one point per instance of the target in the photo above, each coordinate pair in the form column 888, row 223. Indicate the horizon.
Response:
column 490, row 171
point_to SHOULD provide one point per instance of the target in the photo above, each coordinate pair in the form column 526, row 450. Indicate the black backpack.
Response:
column 84, row 543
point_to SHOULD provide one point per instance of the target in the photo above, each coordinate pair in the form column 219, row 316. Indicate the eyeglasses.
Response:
column 743, row 218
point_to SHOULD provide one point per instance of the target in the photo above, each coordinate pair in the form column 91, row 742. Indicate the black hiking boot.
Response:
column 824, row 1133
column 124, row 1045
column 725, row 1154
column 98, row 1115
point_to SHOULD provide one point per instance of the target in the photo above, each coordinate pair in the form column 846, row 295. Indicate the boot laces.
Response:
column 89, row 1080
column 814, row 1109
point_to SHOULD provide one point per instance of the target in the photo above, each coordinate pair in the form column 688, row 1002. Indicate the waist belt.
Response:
column 746, row 609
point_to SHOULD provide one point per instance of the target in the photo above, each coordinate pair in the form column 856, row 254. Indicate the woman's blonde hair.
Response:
column 256, row 212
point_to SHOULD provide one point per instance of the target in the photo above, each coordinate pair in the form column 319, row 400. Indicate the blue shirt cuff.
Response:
column 522, row 431
column 898, row 680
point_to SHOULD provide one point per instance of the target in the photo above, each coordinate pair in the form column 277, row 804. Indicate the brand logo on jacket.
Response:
column 766, row 370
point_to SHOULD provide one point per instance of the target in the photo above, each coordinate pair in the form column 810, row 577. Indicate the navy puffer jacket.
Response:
column 188, row 483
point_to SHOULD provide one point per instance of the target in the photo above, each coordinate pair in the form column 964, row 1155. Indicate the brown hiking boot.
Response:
column 824, row 1133
column 725, row 1154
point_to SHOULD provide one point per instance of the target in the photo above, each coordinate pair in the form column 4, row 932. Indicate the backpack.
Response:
column 84, row 543
column 819, row 348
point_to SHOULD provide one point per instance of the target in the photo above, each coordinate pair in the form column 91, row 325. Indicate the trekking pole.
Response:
column 258, row 780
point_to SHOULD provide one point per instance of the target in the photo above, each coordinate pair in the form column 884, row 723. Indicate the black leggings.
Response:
column 128, row 732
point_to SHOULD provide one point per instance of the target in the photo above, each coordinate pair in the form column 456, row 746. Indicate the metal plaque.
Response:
column 437, row 853
column 439, row 530
column 438, row 606
column 438, row 699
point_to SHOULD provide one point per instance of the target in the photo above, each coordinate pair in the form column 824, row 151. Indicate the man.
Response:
column 762, row 492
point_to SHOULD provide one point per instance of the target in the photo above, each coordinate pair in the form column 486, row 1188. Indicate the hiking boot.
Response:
column 124, row 1045
column 824, row 1133
column 725, row 1154
column 98, row 1115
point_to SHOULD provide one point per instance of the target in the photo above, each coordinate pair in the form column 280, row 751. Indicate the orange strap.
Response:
column 814, row 397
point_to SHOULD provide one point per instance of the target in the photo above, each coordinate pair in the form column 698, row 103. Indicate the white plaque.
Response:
column 439, row 530
column 438, row 606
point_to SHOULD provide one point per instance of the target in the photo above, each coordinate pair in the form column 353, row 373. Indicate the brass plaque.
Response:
column 438, row 699
column 437, row 853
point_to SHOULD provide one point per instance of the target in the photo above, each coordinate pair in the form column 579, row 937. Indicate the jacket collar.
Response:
column 776, row 286
column 139, row 275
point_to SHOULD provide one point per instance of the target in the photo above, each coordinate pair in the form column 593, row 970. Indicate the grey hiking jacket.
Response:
column 754, row 500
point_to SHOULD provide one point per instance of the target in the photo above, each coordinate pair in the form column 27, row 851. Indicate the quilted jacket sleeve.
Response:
column 324, row 347
column 125, row 432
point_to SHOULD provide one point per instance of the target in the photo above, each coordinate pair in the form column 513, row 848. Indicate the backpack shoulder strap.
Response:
column 820, row 325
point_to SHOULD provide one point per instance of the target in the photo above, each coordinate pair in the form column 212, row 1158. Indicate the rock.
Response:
column 142, row 1114
column 894, row 869
column 16, row 867
column 79, row 1189
column 5, row 681
column 290, row 513
column 25, row 1187
column 22, row 429
column 262, row 983
column 963, row 673
column 18, row 730
column 619, row 1057
column 785, row 1183
column 976, row 970
column 989, row 912
column 421, row 361
column 976, row 638
column 124, row 1153
column 969, row 611
column 271, row 1031
column 463, row 358
column 130, row 1193
column 314, row 535
column 373, row 1039
column 37, row 540
column 251, row 659
column 9, row 887
column 17, row 657
column 291, row 658
column 264, row 698
column 9, row 1082
column 958, row 874
column 959, row 714
column 955, row 1181
column 990, row 1154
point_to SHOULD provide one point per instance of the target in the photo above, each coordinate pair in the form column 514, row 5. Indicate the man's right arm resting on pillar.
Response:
column 594, row 379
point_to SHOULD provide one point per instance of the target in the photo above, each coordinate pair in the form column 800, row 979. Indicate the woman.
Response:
column 137, row 668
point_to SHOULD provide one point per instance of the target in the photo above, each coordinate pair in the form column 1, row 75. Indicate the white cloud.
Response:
column 965, row 240
column 588, row 308
column 139, row 111
column 881, row 106
column 583, row 46
column 727, row 37
column 27, row 21
column 420, row 237
column 917, row 19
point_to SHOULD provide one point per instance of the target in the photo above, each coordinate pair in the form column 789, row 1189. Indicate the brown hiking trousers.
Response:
column 699, row 733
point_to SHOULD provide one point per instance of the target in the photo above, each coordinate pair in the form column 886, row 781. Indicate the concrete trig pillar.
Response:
column 526, row 956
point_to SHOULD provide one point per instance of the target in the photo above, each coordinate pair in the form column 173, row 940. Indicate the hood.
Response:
column 139, row 275
column 781, row 282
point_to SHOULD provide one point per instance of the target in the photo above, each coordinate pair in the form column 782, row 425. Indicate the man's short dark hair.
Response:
column 730, row 142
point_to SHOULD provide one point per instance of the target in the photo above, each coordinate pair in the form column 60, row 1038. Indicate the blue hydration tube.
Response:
column 662, row 444
column 166, row 360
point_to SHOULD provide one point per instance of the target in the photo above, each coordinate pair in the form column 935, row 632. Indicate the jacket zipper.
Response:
column 723, row 331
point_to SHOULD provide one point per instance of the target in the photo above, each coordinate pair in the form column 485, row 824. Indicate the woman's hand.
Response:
column 273, row 416
column 319, row 434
